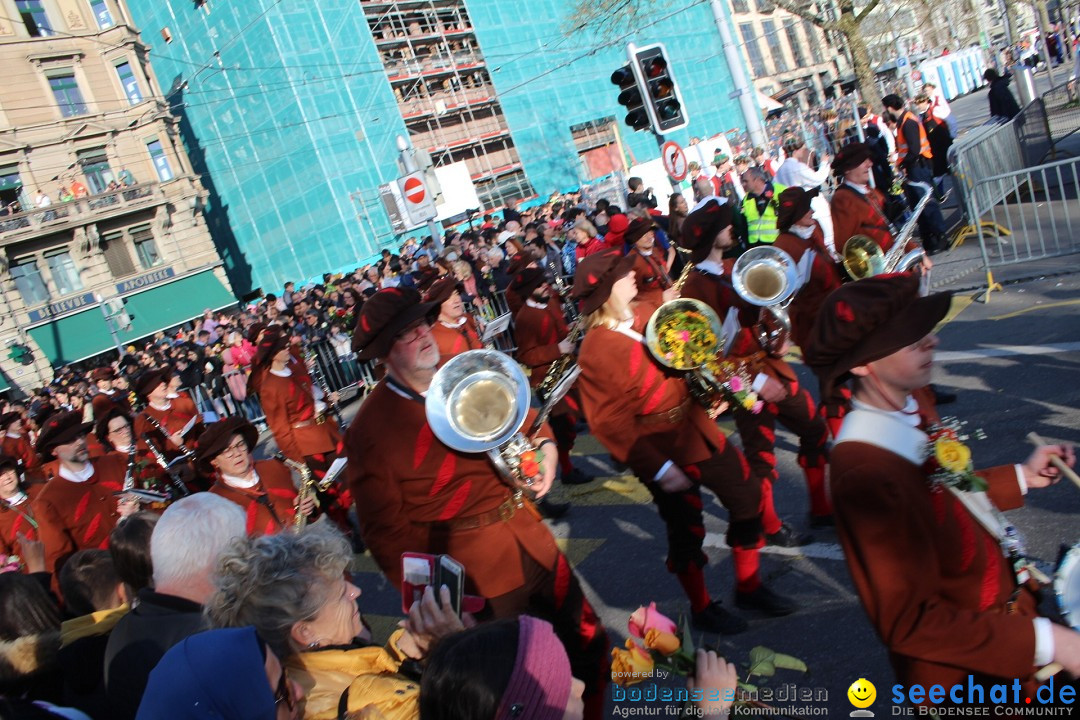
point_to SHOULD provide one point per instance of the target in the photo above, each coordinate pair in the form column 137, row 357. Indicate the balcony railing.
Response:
column 79, row 210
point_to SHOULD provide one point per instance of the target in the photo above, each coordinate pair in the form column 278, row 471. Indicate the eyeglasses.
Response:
column 414, row 332
column 284, row 694
column 126, row 427
column 238, row 447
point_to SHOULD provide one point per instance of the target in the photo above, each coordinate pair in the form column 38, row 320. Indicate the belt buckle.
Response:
column 511, row 505
column 320, row 419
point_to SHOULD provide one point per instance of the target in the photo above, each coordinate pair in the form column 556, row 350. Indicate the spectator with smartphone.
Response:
column 292, row 589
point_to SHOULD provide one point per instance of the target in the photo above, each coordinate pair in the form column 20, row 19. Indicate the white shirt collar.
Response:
column 861, row 189
column 242, row 483
column 286, row 372
column 533, row 304
column 454, row 325
column 645, row 253
column 166, row 406
column 802, row 232
column 17, row 499
column 710, row 266
column 77, row 477
column 891, row 430
column 14, row 435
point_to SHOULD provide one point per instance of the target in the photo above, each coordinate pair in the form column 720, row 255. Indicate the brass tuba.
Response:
column 704, row 387
column 477, row 403
column 768, row 277
column 863, row 257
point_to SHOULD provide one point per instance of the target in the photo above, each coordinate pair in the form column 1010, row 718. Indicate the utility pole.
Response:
column 743, row 90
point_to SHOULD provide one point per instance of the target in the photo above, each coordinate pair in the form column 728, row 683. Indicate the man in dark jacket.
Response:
column 184, row 549
column 1003, row 105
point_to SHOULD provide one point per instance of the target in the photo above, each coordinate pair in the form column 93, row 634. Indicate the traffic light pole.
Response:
column 408, row 161
column 745, row 92
column 675, row 186
column 112, row 328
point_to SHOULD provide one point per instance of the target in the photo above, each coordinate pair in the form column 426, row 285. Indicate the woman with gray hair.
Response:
column 293, row 589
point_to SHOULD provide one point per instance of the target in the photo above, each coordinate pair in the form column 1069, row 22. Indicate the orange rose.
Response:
column 663, row 642
column 630, row 666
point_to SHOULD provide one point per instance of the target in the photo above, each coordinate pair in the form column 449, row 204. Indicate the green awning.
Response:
column 86, row 334
column 4, row 385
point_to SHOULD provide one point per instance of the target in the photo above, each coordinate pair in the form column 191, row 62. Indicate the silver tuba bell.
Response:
column 768, row 277
column 477, row 403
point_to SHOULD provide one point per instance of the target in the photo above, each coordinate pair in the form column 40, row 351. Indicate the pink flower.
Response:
column 758, row 406
column 649, row 618
column 735, row 384
column 684, row 335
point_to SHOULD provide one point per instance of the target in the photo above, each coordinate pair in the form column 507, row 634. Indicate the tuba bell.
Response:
column 768, row 277
column 477, row 403
column 863, row 257
column 685, row 335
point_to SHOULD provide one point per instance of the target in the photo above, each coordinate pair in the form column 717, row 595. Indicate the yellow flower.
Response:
column 748, row 402
column 631, row 665
column 952, row 455
column 663, row 642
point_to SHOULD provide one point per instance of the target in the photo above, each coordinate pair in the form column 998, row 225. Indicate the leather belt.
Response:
column 301, row 424
column 674, row 416
column 503, row 513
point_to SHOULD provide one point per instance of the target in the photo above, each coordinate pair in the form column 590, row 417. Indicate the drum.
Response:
column 1067, row 586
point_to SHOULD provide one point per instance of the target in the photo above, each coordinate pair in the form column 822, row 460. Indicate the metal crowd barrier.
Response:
column 1062, row 107
column 981, row 152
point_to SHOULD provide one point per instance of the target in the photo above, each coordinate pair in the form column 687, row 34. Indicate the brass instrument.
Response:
column 768, row 277
column 681, row 280
column 169, row 467
column 306, row 489
column 863, row 257
column 559, row 368
column 477, row 403
column 703, row 386
column 311, row 359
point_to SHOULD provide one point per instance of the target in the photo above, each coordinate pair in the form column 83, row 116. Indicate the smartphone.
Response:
column 417, row 570
column 451, row 573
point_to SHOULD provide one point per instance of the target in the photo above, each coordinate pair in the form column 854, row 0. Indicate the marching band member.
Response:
column 938, row 568
column 541, row 334
column 264, row 488
column 172, row 414
column 645, row 417
column 857, row 208
column 650, row 269
column 707, row 234
column 16, row 440
column 105, row 378
column 413, row 493
column 454, row 329
column 78, row 507
column 18, row 516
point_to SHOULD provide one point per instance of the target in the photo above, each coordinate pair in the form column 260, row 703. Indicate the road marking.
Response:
column 1006, row 351
column 1033, row 308
column 959, row 304
column 816, row 550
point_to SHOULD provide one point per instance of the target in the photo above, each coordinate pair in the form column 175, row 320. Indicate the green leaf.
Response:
column 760, row 653
column 789, row 662
column 748, row 687
column 684, row 636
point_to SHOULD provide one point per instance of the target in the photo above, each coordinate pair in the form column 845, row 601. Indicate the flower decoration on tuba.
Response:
column 735, row 385
column 948, row 459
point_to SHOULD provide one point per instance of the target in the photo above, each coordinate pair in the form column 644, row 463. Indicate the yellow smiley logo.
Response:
column 862, row 693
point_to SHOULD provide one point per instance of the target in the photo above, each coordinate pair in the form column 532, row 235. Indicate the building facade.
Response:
column 291, row 110
column 99, row 200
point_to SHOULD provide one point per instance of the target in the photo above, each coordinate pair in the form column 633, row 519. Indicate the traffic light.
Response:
column 663, row 99
column 21, row 354
column 630, row 96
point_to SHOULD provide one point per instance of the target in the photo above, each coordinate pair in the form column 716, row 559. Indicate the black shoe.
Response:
column 715, row 619
column 766, row 601
column 576, row 477
column 552, row 510
column 822, row 521
column 942, row 397
column 787, row 537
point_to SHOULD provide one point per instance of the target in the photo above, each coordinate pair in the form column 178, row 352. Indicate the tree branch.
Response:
column 866, row 11
column 804, row 11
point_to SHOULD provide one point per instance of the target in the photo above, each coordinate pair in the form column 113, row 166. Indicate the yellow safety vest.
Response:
column 762, row 228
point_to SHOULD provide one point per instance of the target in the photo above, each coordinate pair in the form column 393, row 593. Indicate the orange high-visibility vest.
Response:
column 901, row 141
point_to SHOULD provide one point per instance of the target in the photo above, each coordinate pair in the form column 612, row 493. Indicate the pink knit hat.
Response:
column 539, row 687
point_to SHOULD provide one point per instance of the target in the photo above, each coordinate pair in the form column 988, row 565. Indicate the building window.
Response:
column 753, row 50
column 64, row 273
column 815, row 44
column 145, row 247
column 10, row 190
column 34, row 17
column 129, row 82
column 29, row 282
column 161, row 163
column 776, row 48
column 795, row 43
column 95, row 166
column 66, row 92
column 740, row 6
column 116, row 255
column 102, row 14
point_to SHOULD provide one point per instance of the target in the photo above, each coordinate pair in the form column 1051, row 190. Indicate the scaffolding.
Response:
column 440, row 79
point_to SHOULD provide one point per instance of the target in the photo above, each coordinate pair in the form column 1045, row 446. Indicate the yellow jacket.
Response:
column 368, row 674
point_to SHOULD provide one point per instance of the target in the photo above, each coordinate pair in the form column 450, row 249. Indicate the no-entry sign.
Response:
column 419, row 204
column 674, row 160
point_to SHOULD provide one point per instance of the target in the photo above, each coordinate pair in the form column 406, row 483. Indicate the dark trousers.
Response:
column 556, row 596
column 931, row 223
column 798, row 413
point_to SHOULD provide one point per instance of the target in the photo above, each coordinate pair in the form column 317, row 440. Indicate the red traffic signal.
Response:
column 654, row 67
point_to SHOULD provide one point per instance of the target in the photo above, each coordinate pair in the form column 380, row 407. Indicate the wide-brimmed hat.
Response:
column 61, row 429
column 218, row 436
column 851, row 156
column 701, row 227
column 8, row 418
column 10, row 463
column 866, row 320
column 792, row 205
column 638, row 228
column 384, row 315
column 145, row 383
column 441, row 290
column 103, row 373
column 101, row 422
column 273, row 341
column 595, row 276
column 526, row 281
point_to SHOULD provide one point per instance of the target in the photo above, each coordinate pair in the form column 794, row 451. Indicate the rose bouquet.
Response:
column 656, row 642
column 735, row 385
column 948, row 459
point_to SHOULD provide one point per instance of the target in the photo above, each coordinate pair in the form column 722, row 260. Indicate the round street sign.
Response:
column 414, row 190
column 916, row 75
column 674, row 160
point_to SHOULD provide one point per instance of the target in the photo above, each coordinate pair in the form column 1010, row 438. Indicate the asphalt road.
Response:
column 1014, row 364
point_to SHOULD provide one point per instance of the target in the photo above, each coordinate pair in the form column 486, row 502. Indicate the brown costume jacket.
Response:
column 856, row 214
column 289, row 404
column 14, row 521
column 824, row 278
column 181, row 410
column 20, row 449
column 538, row 332
column 75, row 516
column 407, row 481
column 454, row 341
column 626, row 394
column 932, row 580
column 275, row 488
column 651, row 275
